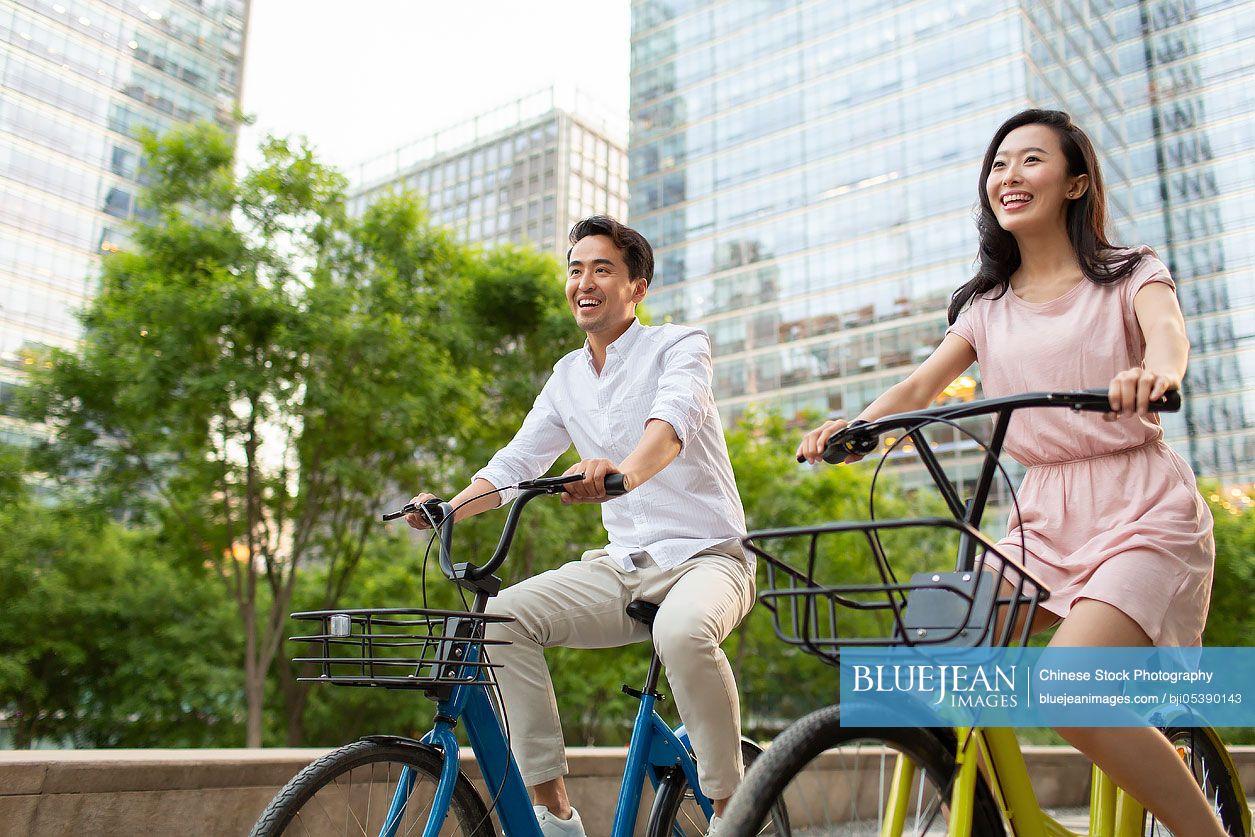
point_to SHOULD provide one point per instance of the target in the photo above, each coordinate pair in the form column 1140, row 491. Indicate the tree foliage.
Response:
column 260, row 372
column 108, row 643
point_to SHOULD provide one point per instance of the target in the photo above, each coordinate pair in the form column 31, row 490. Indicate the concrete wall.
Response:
column 221, row 792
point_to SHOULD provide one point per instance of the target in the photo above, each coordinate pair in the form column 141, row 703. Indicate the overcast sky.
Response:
column 362, row 78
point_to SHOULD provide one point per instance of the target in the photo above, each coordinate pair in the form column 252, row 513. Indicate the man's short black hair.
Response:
column 637, row 254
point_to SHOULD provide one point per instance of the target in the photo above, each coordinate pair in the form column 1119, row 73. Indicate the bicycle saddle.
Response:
column 643, row 612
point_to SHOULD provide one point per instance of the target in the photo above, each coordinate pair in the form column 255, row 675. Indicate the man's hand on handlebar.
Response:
column 416, row 519
column 591, row 489
column 1132, row 390
column 814, row 443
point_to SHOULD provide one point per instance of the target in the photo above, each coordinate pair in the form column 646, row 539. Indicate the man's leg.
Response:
column 579, row 605
column 709, row 599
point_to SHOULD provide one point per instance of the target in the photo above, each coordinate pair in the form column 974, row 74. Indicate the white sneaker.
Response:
column 551, row 826
column 713, row 829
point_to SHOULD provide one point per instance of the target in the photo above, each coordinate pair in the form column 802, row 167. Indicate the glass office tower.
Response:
column 808, row 173
column 80, row 78
column 1187, row 77
column 524, row 172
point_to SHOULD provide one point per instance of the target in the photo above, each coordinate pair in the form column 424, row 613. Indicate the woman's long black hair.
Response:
column 1086, row 219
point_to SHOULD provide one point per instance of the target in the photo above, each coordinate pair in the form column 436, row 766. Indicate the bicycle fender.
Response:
column 399, row 741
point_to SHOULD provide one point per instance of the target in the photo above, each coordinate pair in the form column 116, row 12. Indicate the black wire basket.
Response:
column 959, row 609
column 396, row 648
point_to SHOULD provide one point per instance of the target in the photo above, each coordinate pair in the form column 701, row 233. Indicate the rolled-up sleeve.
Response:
column 684, row 398
column 539, row 442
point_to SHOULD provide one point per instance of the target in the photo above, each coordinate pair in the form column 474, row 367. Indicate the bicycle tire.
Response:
column 666, row 818
column 1204, row 754
column 467, row 814
column 820, row 732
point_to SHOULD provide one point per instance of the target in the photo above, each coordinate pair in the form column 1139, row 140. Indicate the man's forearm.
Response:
column 481, row 504
column 658, row 447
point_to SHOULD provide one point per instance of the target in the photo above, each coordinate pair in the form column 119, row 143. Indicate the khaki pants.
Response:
column 582, row 605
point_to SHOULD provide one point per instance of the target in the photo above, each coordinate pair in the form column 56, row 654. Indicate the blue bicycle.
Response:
column 390, row 785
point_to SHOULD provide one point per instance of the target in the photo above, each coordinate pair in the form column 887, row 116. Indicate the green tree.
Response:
column 108, row 643
column 1231, row 616
column 261, row 374
column 257, row 372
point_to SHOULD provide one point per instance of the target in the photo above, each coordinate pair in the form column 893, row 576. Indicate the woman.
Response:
column 1109, row 514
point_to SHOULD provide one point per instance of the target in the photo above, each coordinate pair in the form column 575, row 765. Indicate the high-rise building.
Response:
column 808, row 173
column 1187, row 75
column 80, row 78
column 523, row 172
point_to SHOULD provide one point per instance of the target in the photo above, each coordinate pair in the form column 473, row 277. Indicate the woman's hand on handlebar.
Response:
column 1132, row 390
column 591, row 489
column 813, row 443
column 416, row 519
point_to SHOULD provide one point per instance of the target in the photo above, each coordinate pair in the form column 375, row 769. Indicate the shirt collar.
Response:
column 622, row 344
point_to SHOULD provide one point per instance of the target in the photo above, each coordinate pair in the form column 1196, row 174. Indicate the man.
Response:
column 634, row 400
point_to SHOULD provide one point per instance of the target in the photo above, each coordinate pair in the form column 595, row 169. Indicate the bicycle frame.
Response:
column 1112, row 813
column 654, row 747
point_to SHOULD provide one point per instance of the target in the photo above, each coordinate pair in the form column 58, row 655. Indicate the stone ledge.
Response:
column 120, row 771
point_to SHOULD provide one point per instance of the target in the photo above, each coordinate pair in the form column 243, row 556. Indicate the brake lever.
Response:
column 410, row 508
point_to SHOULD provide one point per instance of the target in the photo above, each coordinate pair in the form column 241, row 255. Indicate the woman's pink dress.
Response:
column 1108, row 511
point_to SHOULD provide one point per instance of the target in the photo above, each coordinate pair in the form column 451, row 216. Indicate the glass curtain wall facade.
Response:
column 80, row 79
column 1178, row 127
column 808, row 171
column 523, row 173
column 1190, row 115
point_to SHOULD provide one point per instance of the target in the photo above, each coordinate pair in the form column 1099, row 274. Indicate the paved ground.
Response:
column 1077, row 819
column 1074, row 819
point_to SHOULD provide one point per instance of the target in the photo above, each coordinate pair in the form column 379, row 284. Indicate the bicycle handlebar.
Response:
column 440, row 515
column 862, row 437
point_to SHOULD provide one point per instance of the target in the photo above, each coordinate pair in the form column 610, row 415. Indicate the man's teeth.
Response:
column 589, row 303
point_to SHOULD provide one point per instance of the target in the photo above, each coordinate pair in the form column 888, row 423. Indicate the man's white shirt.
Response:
column 651, row 372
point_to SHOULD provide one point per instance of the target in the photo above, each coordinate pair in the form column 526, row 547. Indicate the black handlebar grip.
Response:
column 848, row 441
column 1169, row 403
column 613, row 484
column 854, row 444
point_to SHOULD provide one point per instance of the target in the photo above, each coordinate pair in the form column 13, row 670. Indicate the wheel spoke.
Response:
column 324, row 810
column 348, row 806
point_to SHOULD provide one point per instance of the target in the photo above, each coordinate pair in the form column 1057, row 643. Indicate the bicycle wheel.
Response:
column 350, row 791
column 1203, row 752
column 676, row 813
column 836, row 780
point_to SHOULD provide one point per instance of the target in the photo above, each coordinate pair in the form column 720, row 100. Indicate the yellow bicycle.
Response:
column 893, row 780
